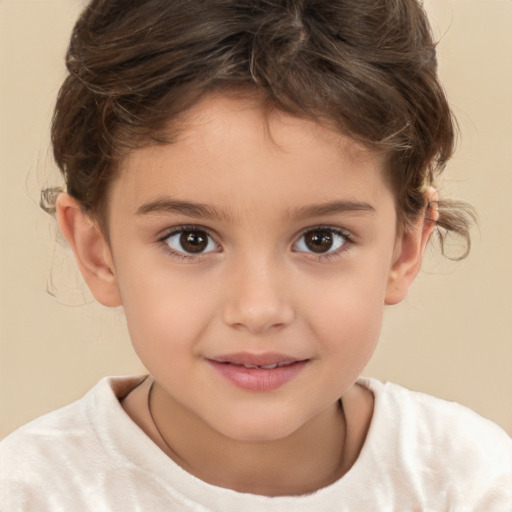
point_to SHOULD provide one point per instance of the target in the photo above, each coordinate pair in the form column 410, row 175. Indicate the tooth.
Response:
column 266, row 366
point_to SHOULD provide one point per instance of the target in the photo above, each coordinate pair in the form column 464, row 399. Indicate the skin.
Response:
column 258, row 288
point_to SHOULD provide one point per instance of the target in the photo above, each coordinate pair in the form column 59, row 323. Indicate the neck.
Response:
column 310, row 458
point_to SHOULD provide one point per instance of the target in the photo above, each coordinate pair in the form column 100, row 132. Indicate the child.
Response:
column 253, row 182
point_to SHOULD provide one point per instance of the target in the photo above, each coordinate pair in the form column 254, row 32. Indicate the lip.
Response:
column 262, row 359
column 258, row 372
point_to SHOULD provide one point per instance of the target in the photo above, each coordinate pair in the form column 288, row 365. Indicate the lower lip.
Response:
column 258, row 379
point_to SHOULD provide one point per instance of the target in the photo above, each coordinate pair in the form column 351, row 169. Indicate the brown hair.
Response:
column 366, row 67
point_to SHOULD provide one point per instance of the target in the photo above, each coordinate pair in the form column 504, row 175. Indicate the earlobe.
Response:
column 409, row 250
column 91, row 250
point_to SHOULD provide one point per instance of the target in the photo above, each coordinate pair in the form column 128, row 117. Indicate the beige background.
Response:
column 450, row 338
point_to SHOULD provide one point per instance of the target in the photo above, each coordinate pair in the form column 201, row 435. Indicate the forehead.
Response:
column 251, row 114
column 237, row 151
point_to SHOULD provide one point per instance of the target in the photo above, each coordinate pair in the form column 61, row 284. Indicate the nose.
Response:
column 257, row 298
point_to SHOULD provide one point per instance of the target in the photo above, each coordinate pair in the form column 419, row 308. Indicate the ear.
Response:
column 91, row 250
column 409, row 249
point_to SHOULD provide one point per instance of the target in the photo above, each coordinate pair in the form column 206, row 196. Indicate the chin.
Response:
column 263, row 429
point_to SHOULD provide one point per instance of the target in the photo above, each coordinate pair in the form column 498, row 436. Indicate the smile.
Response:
column 263, row 366
column 258, row 373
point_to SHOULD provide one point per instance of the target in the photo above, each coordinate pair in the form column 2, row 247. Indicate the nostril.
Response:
column 257, row 318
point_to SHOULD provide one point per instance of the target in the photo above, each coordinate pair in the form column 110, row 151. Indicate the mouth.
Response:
column 265, row 361
column 258, row 372
column 260, row 366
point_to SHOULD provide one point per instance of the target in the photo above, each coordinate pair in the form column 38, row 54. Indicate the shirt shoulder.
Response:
column 59, row 450
column 444, row 421
column 44, row 436
column 442, row 448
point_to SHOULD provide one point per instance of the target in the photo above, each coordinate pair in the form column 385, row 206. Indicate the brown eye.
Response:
column 191, row 241
column 321, row 241
column 318, row 241
column 194, row 241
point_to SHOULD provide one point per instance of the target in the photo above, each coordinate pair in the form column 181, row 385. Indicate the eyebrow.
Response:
column 332, row 207
column 198, row 210
column 181, row 207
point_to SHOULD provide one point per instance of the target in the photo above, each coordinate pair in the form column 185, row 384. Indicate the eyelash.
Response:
column 183, row 256
column 326, row 256
column 333, row 255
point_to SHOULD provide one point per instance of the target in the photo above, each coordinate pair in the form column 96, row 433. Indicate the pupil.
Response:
column 319, row 241
column 193, row 241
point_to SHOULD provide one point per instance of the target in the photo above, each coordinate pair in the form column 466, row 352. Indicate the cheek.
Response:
column 165, row 311
column 352, row 325
column 346, row 312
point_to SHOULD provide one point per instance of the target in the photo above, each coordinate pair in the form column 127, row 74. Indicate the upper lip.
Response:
column 264, row 359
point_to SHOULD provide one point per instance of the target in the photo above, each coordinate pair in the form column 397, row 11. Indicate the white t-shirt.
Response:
column 421, row 454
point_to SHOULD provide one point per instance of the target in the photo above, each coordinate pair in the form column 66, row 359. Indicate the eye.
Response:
column 321, row 241
column 191, row 242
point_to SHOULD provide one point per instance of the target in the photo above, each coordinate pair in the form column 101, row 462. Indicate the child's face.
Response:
column 257, row 241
